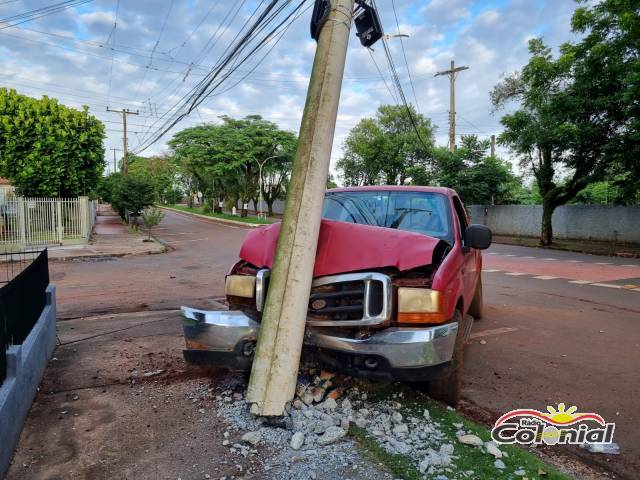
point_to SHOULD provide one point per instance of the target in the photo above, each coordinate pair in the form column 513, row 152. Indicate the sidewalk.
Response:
column 110, row 238
column 611, row 249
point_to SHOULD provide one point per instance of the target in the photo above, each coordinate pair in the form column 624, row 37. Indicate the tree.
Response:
column 477, row 177
column 578, row 113
column 151, row 217
column 131, row 195
column 47, row 149
column 387, row 149
column 162, row 173
column 223, row 159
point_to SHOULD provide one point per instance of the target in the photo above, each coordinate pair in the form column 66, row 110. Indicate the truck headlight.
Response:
column 420, row 305
column 240, row 286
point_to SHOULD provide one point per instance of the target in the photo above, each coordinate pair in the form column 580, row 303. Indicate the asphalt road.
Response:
column 558, row 326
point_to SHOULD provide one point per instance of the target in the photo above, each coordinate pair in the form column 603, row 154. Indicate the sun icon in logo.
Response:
column 562, row 415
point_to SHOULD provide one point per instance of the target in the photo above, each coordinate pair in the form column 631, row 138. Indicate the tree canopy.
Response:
column 387, row 149
column 223, row 159
column 47, row 149
column 578, row 113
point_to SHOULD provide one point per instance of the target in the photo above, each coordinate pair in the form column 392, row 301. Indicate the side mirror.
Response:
column 478, row 237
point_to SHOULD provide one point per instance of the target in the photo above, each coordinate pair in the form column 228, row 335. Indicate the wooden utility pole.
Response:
column 125, row 146
column 452, row 73
column 277, row 358
column 115, row 165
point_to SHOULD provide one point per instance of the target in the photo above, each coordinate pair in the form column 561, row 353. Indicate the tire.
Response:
column 477, row 304
column 447, row 389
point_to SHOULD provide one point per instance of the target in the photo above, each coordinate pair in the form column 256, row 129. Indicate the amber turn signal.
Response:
column 240, row 286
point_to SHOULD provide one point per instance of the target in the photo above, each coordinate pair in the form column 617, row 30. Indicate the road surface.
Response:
column 558, row 326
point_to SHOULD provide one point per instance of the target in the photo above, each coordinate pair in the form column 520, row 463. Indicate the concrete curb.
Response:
column 25, row 367
column 215, row 219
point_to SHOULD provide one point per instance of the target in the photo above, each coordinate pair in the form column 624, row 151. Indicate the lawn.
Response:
column 224, row 216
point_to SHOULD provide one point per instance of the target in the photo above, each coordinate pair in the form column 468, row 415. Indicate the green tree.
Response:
column 477, row 177
column 162, row 173
column 131, row 195
column 387, row 149
column 222, row 160
column 578, row 113
column 47, row 149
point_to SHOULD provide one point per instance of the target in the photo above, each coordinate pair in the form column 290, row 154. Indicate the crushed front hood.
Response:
column 347, row 247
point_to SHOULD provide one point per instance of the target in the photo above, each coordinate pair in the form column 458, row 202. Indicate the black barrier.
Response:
column 22, row 300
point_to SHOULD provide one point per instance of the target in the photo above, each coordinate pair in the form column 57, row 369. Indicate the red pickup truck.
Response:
column 397, row 285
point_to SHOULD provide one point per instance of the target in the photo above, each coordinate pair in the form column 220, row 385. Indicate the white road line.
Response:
column 492, row 253
column 494, row 331
column 575, row 261
column 581, row 282
column 630, row 265
column 608, row 285
column 488, row 270
column 516, row 274
column 545, row 277
column 529, row 257
column 549, row 258
column 509, row 255
column 603, row 263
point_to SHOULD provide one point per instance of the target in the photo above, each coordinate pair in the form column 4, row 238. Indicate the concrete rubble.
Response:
column 316, row 425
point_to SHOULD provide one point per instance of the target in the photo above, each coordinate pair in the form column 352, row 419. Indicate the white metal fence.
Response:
column 45, row 221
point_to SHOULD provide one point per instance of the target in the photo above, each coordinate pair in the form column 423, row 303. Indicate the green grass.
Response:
column 225, row 216
column 466, row 458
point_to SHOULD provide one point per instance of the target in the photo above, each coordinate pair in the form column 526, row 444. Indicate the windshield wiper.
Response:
column 404, row 211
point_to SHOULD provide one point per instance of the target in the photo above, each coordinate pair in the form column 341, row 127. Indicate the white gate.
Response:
column 45, row 221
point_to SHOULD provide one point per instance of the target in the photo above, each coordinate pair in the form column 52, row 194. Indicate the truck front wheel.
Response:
column 447, row 389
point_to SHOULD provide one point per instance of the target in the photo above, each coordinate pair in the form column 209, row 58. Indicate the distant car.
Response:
column 397, row 284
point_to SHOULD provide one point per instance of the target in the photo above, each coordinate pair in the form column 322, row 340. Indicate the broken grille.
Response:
column 351, row 299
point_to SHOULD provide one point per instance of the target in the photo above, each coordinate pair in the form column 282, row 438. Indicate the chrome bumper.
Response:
column 234, row 334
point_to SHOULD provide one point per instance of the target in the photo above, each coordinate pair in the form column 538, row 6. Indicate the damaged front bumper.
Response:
column 228, row 338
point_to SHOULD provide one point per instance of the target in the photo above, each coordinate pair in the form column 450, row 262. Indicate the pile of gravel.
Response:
column 312, row 435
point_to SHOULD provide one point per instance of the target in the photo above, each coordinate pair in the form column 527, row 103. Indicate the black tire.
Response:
column 447, row 389
column 477, row 304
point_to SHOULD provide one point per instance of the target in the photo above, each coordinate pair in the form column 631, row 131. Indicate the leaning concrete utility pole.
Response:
column 452, row 72
column 277, row 357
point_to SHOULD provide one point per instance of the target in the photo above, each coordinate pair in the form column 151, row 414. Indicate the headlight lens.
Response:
column 420, row 305
column 240, row 286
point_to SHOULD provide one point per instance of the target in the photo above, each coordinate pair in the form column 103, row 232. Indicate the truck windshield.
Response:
column 421, row 212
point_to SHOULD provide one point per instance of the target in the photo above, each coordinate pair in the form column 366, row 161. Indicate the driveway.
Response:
column 558, row 326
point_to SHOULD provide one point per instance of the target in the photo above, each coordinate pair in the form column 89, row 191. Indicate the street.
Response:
column 558, row 326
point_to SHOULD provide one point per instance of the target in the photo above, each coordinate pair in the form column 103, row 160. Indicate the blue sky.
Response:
column 68, row 55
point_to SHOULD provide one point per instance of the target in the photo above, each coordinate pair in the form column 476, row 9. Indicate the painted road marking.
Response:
column 549, row 258
column 630, row 265
column 489, row 270
column 608, row 285
column 575, row 261
column 529, row 257
column 603, row 263
column 495, row 331
column 516, row 274
column 509, row 255
column 545, row 277
column 630, row 286
column 581, row 282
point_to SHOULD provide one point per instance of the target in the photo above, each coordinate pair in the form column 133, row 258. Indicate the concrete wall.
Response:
column 584, row 222
column 25, row 367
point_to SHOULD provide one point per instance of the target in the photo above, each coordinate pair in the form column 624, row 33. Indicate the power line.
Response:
column 212, row 81
column 404, row 54
column 30, row 15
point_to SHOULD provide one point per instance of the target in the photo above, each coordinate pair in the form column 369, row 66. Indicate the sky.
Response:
column 144, row 55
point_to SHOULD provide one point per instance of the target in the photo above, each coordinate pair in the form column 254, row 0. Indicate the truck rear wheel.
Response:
column 477, row 304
